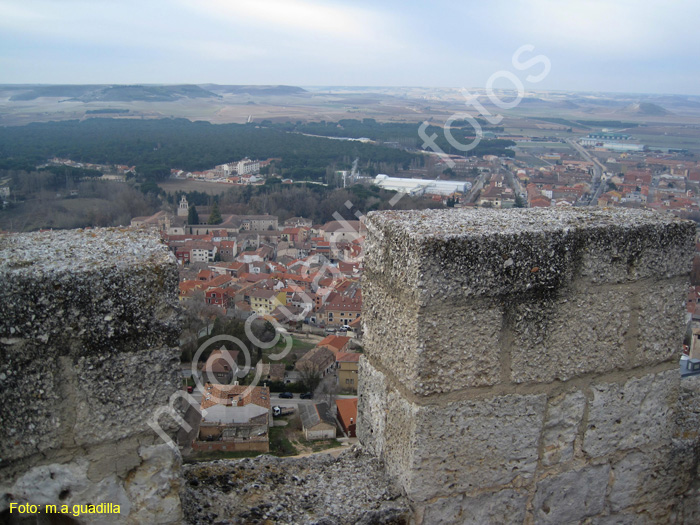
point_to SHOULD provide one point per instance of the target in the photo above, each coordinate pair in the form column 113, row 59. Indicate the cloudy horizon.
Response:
column 592, row 45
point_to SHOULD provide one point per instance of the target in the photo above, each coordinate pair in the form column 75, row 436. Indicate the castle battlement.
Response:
column 520, row 366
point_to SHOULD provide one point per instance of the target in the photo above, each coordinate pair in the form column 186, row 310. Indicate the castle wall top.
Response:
column 449, row 254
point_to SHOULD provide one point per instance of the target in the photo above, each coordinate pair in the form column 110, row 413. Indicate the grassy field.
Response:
column 299, row 348
column 544, row 146
column 690, row 143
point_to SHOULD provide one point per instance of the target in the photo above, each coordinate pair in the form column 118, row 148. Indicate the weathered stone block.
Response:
column 569, row 334
column 688, row 422
column 320, row 489
column 572, row 496
column 642, row 245
column 68, row 484
column 116, row 395
column 661, row 321
column 433, row 351
column 88, row 291
column 648, row 481
column 371, row 407
column 458, row 348
column 148, row 495
column 32, row 409
column 392, row 334
column 88, row 321
column 461, row 446
column 446, row 255
column 633, row 414
column 469, row 444
column 153, row 488
column 506, row 506
column 564, row 416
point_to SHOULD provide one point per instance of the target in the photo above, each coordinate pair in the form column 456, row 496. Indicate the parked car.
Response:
column 306, row 395
column 190, row 389
column 330, row 330
column 286, row 395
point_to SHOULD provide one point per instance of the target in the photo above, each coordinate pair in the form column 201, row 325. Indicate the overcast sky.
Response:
column 601, row 45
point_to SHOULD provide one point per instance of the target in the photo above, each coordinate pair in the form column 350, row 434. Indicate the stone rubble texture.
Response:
column 527, row 360
column 319, row 489
column 89, row 325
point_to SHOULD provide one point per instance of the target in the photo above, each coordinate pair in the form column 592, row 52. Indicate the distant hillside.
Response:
column 646, row 109
column 117, row 93
column 255, row 90
column 674, row 101
column 68, row 91
column 145, row 94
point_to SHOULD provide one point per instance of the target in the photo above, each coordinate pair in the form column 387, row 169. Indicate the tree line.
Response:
column 404, row 134
column 157, row 146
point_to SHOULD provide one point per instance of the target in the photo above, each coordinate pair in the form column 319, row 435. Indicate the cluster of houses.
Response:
column 297, row 272
column 238, row 417
column 244, row 171
column 116, row 172
column 661, row 182
column 666, row 182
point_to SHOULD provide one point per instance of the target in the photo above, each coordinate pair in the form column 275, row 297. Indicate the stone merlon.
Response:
column 439, row 256
column 465, row 298
column 88, row 336
column 102, row 289
column 522, row 365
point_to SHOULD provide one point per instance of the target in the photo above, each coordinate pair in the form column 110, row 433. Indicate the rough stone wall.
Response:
column 88, row 330
column 522, row 366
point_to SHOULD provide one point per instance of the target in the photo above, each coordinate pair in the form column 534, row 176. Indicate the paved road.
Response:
column 511, row 180
column 598, row 185
column 477, row 187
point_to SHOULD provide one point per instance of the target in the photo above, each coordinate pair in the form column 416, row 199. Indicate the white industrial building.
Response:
column 422, row 186
column 611, row 145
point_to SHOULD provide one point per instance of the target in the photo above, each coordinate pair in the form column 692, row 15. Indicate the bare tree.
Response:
column 327, row 392
column 197, row 314
column 311, row 374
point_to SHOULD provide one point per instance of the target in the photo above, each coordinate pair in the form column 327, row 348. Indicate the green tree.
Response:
column 192, row 216
column 215, row 216
column 519, row 202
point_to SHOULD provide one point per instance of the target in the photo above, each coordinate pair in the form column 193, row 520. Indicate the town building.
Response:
column 317, row 422
column 235, row 418
column 347, row 363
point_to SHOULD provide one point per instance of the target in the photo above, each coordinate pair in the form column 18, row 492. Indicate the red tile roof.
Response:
column 347, row 409
column 347, row 357
column 334, row 342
